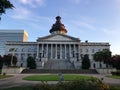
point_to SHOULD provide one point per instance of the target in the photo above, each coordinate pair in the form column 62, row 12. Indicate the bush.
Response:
column 117, row 73
column 74, row 85
column 0, row 71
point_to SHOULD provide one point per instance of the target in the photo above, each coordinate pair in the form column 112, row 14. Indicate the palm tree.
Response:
column 103, row 56
column 4, row 5
column 12, row 50
column 98, row 57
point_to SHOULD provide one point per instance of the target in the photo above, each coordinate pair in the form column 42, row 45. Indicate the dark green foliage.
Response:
column 116, row 61
column 4, row 5
column 31, row 63
column 103, row 56
column 85, row 62
column 20, row 88
column 1, row 62
column 74, row 85
column 117, row 73
column 14, row 60
column 7, row 60
column 115, row 87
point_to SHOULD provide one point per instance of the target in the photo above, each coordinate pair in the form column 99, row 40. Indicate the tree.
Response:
column 116, row 61
column 1, row 62
column 7, row 60
column 86, row 62
column 103, row 56
column 4, row 5
column 14, row 60
column 12, row 50
column 31, row 62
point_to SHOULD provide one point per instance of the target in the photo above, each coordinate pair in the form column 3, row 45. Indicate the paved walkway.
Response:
column 17, row 80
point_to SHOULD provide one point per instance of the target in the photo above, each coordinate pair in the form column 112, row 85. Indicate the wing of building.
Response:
column 57, row 50
column 11, row 35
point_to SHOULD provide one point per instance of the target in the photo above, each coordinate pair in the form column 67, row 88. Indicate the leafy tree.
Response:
column 31, row 62
column 7, row 60
column 12, row 50
column 14, row 60
column 4, row 5
column 86, row 62
column 103, row 56
column 1, row 62
column 116, row 61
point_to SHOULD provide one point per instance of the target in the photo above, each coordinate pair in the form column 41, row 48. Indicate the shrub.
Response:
column 117, row 73
column 0, row 71
column 74, row 85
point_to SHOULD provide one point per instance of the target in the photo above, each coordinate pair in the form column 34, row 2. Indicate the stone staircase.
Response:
column 58, row 64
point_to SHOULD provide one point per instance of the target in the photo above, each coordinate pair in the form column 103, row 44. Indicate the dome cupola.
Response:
column 58, row 27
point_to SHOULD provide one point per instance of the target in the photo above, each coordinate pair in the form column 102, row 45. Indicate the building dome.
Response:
column 58, row 27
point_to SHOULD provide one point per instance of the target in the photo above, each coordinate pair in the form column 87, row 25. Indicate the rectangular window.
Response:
column 93, row 50
column 86, row 50
column 81, row 50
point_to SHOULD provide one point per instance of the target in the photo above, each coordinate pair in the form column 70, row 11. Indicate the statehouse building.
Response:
column 57, row 50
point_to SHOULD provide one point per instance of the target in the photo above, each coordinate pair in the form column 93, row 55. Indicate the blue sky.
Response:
column 92, row 20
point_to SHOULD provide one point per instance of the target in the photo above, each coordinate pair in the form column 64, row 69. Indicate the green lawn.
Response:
column 20, row 88
column 114, row 87
column 5, row 76
column 54, row 77
column 116, row 77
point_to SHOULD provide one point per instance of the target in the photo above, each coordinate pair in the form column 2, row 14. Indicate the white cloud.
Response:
column 114, row 32
column 84, row 24
column 75, row 1
column 21, row 13
column 33, row 3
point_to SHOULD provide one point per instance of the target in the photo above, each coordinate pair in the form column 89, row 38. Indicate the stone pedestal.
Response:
column 12, row 70
column 44, row 59
column 73, row 59
column 77, row 65
column 40, row 63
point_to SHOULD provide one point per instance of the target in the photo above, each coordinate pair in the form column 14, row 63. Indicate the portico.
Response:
column 58, row 51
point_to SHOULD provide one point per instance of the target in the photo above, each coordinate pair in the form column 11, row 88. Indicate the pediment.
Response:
column 58, row 37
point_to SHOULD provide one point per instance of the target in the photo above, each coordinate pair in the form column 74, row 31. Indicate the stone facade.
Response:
column 57, row 51
column 11, row 35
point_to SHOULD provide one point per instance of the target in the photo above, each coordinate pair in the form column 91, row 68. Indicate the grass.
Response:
column 5, row 76
column 116, row 77
column 20, row 88
column 54, row 77
column 114, row 87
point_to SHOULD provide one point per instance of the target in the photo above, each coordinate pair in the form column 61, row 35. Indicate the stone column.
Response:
column 37, row 51
column 65, row 51
column 70, row 50
column 56, row 52
column 42, row 49
column 79, row 51
column 51, row 51
column 74, row 50
column 47, row 50
column 60, row 51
